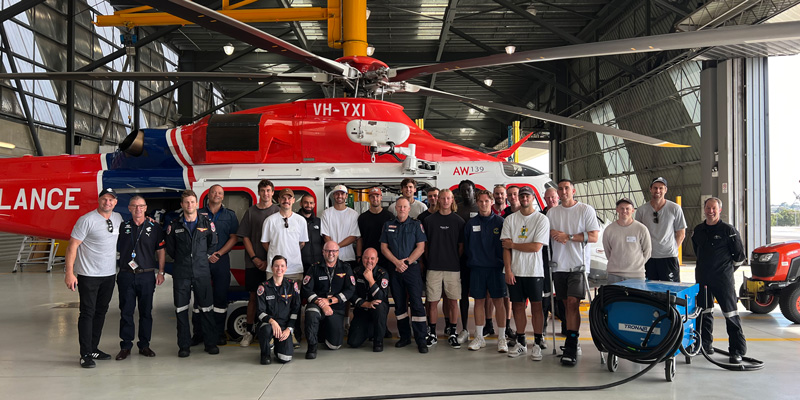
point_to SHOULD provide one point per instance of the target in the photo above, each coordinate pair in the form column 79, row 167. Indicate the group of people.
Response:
column 494, row 245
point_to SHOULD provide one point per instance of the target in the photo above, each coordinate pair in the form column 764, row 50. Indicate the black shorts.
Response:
column 527, row 287
column 492, row 280
column 572, row 284
column 254, row 277
column 663, row 269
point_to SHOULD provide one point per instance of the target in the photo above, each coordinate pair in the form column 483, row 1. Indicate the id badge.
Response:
column 133, row 264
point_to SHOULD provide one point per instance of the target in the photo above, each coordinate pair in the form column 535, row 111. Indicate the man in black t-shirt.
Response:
column 370, row 223
column 445, row 231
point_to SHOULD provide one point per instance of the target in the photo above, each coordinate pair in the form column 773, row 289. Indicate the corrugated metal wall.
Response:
column 9, row 248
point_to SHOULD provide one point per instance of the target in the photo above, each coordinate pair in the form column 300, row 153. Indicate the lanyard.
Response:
column 136, row 242
column 330, row 277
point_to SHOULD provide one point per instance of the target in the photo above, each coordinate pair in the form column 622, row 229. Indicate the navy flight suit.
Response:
column 279, row 303
column 719, row 248
column 190, row 248
column 367, row 322
column 322, row 281
column 402, row 239
column 225, row 223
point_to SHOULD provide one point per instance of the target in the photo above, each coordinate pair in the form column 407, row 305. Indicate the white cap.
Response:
column 339, row 188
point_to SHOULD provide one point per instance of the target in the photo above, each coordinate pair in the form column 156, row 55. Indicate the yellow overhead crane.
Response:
column 347, row 20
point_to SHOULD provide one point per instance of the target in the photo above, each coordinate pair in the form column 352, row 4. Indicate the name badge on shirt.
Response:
column 323, row 278
column 271, row 297
column 390, row 230
column 476, row 228
column 631, row 239
column 473, row 214
column 181, row 230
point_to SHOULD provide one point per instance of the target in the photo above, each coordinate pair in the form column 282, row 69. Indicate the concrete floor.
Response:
column 39, row 359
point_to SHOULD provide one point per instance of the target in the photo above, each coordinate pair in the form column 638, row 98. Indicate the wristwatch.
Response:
column 570, row 237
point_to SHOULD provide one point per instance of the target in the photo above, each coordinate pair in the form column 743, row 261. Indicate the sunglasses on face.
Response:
column 110, row 225
column 655, row 217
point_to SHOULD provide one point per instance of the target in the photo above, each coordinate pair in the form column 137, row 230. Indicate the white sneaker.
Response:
column 517, row 350
column 502, row 345
column 247, row 338
column 536, row 353
column 463, row 336
column 579, row 350
column 477, row 343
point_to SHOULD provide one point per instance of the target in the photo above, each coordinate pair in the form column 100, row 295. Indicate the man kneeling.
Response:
column 370, row 304
column 327, row 288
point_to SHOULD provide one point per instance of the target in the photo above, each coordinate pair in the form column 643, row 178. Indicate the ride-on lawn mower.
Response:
column 776, row 280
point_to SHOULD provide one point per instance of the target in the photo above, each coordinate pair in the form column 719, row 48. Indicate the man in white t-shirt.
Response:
column 408, row 187
column 524, row 234
column 340, row 224
column 626, row 243
column 573, row 225
column 667, row 226
column 284, row 234
column 92, row 256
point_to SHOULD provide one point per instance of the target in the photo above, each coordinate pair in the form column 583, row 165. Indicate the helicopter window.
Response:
column 237, row 132
column 514, row 169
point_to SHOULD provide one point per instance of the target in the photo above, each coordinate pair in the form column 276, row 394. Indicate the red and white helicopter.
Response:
column 309, row 145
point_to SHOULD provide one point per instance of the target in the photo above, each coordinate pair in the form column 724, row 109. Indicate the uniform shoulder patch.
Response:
column 296, row 288
column 384, row 283
column 306, row 279
column 353, row 280
column 169, row 229
column 260, row 290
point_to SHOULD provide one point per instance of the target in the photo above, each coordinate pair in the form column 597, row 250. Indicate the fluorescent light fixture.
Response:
column 472, row 111
column 488, row 81
column 228, row 49
column 370, row 50
column 261, row 82
column 463, row 130
column 511, row 49
column 368, row 13
column 8, row 145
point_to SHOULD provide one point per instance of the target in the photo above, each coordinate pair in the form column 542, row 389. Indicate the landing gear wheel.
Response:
column 762, row 304
column 669, row 369
column 790, row 302
column 237, row 323
column 612, row 362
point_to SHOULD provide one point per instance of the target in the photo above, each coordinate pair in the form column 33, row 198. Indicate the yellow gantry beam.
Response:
column 131, row 19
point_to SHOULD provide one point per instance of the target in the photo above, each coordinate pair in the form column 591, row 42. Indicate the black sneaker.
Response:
column 510, row 334
column 311, row 353
column 87, row 361
column 403, row 342
column 100, row 355
column 735, row 358
column 212, row 349
column 453, row 341
column 488, row 331
column 431, row 339
column 570, row 356
column 709, row 349
column 422, row 348
column 183, row 353
column 266, row 360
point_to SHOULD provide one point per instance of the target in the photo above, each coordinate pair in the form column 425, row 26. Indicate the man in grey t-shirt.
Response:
column 667, row 226
column 92, row 255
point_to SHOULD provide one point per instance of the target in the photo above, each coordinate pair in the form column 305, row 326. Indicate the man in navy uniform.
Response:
column 370, row 303
column 190, row 240
column 141, row 254
column 402, row 243
column 327, row 288
column 226, row 225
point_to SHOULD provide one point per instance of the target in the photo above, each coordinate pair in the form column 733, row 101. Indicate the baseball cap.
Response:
column 526, row 190
column 339, row 188
column 626, row 200
column 285, row 192
column 375, row 190
column 107, row 190
column 659, row 180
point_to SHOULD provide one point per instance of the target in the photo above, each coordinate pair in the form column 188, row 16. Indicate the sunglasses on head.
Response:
column 655, row 217
column 110, row 225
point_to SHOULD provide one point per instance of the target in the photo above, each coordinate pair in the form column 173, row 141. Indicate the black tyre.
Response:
column 237, row 323
column 669, row 369
column 790, row 302
column 762, row 304
column 612, row 362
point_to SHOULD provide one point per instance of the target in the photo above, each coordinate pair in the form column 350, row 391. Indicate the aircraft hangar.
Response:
column 502, row 69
